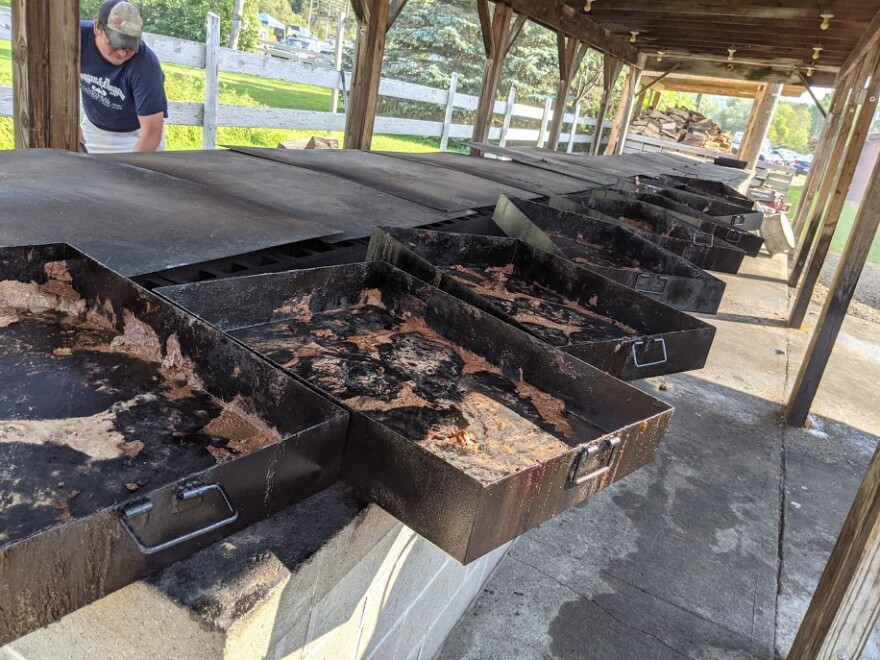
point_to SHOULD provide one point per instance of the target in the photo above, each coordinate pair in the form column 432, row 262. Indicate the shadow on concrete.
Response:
column 681, row 559
column 753, row 320
column 762, row 278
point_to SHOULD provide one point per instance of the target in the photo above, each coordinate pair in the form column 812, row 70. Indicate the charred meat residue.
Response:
column 392, row 366
column 90, row 415
column 549, row 315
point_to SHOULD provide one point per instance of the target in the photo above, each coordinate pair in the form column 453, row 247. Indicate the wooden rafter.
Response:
column 572, row 22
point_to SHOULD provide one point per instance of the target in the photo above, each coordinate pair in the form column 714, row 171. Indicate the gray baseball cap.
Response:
column 122, row 23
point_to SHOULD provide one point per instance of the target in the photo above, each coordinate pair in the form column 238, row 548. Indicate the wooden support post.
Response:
column 497, row 41
column 831, row 168
column 655, row 101
column 837, row 200
column 450, row 107
column 574, row 126
column 622, row 117
column 545, row 120
column 827, row 328
column 844, row 607
column 508, row 114
column 832, row 123
column 45, row 73
column 611, row 68
column 375, row 18
column 571, row 54
column 212, row 82
column 762, row 114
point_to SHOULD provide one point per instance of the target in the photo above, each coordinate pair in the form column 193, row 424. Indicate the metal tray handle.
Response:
column 660, row 278
column 183, row 494
column 733, row 236
column 588, row 453
column 710, row 242
column 641, row 342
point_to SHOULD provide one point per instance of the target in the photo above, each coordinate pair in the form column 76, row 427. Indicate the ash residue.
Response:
column 550, row 316
column 396, row 369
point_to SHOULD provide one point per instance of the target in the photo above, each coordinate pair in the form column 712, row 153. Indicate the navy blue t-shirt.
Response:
column 114, row 96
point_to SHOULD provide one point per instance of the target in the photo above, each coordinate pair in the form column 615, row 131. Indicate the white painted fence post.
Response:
column 337, row 61
column 542, row 134
column 447, row 118
column 212, row 83
column 508, row 113
column 574, row 126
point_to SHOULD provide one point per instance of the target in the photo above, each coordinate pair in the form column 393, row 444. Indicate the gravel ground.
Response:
column 866, row 302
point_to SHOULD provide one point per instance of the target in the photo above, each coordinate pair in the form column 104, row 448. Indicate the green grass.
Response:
column 188, row 84
column 844, row 225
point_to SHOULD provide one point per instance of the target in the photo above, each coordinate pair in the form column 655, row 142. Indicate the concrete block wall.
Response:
column 371, row 589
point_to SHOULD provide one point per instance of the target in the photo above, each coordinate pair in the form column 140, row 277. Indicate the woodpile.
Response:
column 682, row 125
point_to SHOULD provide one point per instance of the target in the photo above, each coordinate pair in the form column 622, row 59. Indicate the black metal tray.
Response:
column 598, row 320
column 671, row 200
column 612, row 251
column 432, row 382
column 719, row 200
column 112, row 464
column 700, row 248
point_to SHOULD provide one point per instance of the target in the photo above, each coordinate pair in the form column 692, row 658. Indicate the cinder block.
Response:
column 411, row 564
column 132, row 623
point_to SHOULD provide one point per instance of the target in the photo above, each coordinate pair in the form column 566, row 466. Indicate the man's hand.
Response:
column 151, row 132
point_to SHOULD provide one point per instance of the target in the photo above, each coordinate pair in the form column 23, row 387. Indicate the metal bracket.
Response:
column 648, row 278
column 589, row 453
column 183, row 494
column 738, row 220
column 710, row 243
column 641, row 342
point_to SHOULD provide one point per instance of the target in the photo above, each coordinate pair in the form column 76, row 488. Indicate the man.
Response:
column 123, row 87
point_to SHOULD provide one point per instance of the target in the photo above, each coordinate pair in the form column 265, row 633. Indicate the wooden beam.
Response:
column 395, row 8
column 617, row 137
column 485, row 15
column 571, row 54
column 45, row 73
column 765, row 107
column 366, row 73
column 656, row 80
column 611, row 68
column 732, row 8
column 361, row 10
column 812, row 94
column 852, row 261
column 830, row 168
column 865, row 45
column 829, row 129
column 559, row 17
column 844, row 607
column 837, row 200
column 498, row 29
column 515, row 30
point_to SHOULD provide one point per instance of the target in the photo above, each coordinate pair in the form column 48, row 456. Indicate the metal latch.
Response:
column 593, row 461
column 733, row 236
column 645, row 280
column 183, row 494
column 738, row 220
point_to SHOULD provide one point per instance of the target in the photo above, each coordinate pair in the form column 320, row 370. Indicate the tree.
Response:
column 237, row 19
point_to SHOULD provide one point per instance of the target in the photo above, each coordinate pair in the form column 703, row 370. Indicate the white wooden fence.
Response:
column 213, row 58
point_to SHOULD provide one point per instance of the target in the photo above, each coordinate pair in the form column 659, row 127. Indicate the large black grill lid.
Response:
column 700, row 248
column 612, row 251
column 571, row 308
column 670, row 199
column 466, row 429
column 113, row 465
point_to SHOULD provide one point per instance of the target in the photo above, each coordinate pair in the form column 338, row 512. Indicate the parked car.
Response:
column 299, row 32
column 802, row 163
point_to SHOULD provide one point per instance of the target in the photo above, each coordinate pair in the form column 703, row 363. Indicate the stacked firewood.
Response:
column 682, row 125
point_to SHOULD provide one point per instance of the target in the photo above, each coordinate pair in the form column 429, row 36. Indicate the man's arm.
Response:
column 151, row 132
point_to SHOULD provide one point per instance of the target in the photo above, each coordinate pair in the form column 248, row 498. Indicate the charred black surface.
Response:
column 407, row 377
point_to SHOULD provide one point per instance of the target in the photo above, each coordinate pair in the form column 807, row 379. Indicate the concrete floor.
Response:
column 714, row 550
